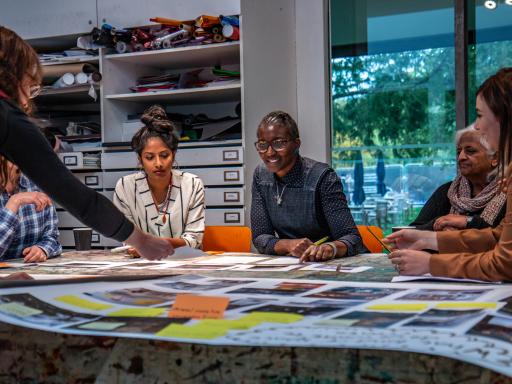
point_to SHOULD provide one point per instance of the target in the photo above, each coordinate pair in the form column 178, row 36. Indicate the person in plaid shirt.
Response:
column 28, row 220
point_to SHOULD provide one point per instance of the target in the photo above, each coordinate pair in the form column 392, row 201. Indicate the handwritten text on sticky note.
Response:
column 199, row 307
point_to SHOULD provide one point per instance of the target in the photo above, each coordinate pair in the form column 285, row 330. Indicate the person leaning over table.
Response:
column 473, row 199
column 22, row 143
column 161, row 200
column 28, row 220
column 297, row 201
column 484, row 254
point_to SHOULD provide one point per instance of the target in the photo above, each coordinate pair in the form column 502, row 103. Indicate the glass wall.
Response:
column 393, row 104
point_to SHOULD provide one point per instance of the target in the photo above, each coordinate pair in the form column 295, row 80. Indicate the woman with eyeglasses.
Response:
column 297, row 201
column 23, row 143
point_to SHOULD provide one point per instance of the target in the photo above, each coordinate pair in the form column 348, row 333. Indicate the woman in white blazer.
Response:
column 161, row 200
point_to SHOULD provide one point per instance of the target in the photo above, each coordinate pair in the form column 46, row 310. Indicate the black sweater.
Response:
column 23, row 143
column 439, row 205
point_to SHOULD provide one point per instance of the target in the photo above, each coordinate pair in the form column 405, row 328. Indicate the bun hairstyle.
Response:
column 156, row 124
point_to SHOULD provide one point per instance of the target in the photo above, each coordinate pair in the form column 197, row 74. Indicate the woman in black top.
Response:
column 473, row 199
column 23, row 144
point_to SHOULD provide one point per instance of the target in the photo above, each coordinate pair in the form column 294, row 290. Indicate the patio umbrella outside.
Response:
column 358, row 196
column 381, row 174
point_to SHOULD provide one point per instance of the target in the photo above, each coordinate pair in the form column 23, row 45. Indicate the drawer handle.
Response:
column 231, row 217
column 231, row 197
column 230, row 155
column 231, row 175
column 70, row 160
column 91, row 180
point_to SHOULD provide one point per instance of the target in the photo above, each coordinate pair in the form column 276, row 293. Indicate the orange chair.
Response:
column 227, row 239
column 369, row 240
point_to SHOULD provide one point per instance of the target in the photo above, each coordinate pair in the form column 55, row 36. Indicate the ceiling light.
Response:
column 508, row 2
column 490, row 4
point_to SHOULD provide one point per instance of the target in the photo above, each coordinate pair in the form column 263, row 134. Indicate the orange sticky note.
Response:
column 199, row 307
column 5, row 265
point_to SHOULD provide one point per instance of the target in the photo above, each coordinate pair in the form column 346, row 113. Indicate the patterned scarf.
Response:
column 489, row 199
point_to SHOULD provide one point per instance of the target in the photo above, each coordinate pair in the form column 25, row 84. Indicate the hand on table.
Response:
column 451, row 220
column 150, row 247
column 297, row 247
column 411, row 263
column 412, row 239
column 34, row 254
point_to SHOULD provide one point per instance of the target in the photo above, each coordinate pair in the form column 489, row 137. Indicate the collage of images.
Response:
column 142, row 308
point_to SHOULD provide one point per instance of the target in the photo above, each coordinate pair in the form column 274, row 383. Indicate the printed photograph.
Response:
column 208, row 285
column 299, row 309
column 285, row 288
column 367, row 319
column 443, row 318
column 444, row 294
column 246, row 302
column 134, row 296
column 495, row 327
column 27, row 308
column 356, row 293
column 150, row 325
column 507, row 308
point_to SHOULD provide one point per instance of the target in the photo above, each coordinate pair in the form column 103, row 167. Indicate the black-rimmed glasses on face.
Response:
column 35, row 90
column 277, row 145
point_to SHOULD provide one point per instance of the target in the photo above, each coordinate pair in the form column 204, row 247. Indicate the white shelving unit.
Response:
column 220, row 164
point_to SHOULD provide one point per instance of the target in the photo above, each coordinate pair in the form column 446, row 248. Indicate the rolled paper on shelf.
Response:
column 65, row 80
column 229, row 20
column 171, row 22
column 51, row 73
column 94, row 77
column 231, row 32
column 201, row 32
column 218, row 38
column 81, row 78
column 217, row 29
column 206, row 21
column 187, row 27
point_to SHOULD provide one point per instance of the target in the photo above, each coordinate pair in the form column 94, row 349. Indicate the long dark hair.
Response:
column 156, row 124
column 17, row 60
column 497, row 93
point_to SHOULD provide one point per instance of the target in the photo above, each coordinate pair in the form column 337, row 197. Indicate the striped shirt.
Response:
column 185, row 212
column 28, row 227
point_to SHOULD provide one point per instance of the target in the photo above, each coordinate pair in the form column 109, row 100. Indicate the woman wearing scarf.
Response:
column 473, row 199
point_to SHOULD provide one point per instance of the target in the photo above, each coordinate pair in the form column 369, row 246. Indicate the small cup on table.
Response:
column 83, row 238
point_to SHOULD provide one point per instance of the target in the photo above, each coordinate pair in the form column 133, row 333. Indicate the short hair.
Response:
column 156, row 124
column 282, row 119
column 482, row 139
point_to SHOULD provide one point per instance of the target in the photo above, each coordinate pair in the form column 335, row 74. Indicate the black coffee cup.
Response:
column 82, row 238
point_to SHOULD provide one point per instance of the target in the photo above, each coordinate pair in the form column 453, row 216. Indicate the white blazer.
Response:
column 185, row 212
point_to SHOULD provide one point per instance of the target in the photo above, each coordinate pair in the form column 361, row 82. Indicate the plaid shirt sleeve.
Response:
column 9, row 224
column 49, row 242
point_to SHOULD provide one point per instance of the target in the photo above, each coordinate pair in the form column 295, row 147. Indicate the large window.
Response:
column 393, row 98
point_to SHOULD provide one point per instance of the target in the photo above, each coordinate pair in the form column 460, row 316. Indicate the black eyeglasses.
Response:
column 277, row 145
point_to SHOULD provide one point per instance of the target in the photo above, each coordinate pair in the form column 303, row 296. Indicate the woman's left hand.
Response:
column 410, row 263
column 34, row 254
column 321, row 252
column 451, row 220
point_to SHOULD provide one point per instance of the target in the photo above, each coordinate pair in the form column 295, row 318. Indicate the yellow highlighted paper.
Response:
column 272, row 317
column 101, row 326
column 82, row 303
column 18, row 309
column 459, row 304
column 196, row 331
column 405, row 307
column 138, row 312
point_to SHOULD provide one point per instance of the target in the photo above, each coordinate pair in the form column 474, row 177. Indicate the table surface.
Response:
column 29, row 355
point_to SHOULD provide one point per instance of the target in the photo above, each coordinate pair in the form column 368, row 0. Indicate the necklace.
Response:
column 167, row 199
column 279, row 196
